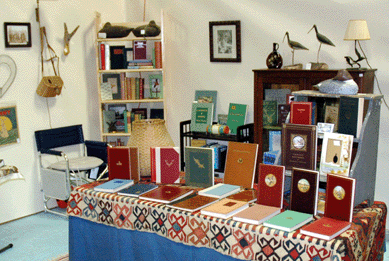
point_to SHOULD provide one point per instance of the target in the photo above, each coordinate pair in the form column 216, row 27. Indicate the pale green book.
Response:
column 289, row 220
column 236, row 116
column 202, row 116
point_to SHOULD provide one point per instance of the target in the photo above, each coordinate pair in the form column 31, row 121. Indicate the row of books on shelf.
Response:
column 203, row 114
column 225, row 200
column 344, row 115
column 134, row 55
column 118, row 119
column 121, row 87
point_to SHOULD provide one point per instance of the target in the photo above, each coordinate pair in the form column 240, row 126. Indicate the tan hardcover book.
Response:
column 198, row 143
column 194, row 203
column 256, row 214
column 225, row 208
column 241, row 162
column 249, row 195
column 331, row 116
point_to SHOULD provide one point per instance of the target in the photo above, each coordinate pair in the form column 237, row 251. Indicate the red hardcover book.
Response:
column 158, row 55
column 167, row 165
column 123, row 163
column 140, row 50
column 301, row 113
column 102, row 56
column 304, row 191
column 271, row 180
column 152, row 165
column 141, row 88
column 167, row 194
column 338, row 211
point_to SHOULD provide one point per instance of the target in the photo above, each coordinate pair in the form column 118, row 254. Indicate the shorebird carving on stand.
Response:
column 294, row 45
column 322, row 39
column 67, row 38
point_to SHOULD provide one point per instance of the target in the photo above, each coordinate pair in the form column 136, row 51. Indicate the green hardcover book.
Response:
column 202, row 116
column 270, row 117
column 289, row 220
column 199, row 167
column 236, row 116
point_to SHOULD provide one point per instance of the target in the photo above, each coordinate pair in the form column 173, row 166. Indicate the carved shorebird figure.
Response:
column 294, row 45
column 322, row 39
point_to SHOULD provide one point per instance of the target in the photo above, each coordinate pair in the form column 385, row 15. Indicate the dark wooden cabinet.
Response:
column 296, row 80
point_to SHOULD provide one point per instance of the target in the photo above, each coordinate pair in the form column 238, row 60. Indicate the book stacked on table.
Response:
column 225, row 208
column 114, row 185
column 167, row 194
column 137, row 189
column 220, row 190
column 338, row 211
column 194, row 203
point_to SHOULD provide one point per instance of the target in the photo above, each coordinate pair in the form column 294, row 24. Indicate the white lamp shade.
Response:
column 357, row 30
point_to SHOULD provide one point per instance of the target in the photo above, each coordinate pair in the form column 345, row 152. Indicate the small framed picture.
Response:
column 325, row 127
column 113, row 79
column 9, row 128
column 224, row 41
column 17, row 35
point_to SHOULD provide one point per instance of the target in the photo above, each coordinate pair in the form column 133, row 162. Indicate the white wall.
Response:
column 262, row 23
column 77, row 103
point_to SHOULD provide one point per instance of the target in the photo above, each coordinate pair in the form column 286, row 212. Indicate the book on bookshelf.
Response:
column 114, row 185
column 140, row 50
column 271, row 180
column 302, row 113
column 224, row 208
column 198, row 143
column 123, row 162
column 338, row 211
column 304, row 190
column 207, row 96
column 117, row 57
column 167, row 194
column 113, row 79
column 165, row 164
column 278, row 95
column 156, row 113
column 331, row 115
column 270, row 115
column 299, row 146
column 202, row 116
column 272, row 157
column 236, row 116
column 140, row 111
column 256, row 214
column 137, row 189
column 289, row 220
column 158, row 54
column 247, row 195
column 156, row 86
column 241, row 162
column 107, row 56
column 220, row 190
column 336, row 154
column 199, row 171
column 274, row 140
column 351, row 110
column 283, row 112
column 102, row 55
column 193, row 204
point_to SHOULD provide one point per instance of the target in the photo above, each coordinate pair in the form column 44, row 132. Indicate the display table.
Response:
column 105, row 226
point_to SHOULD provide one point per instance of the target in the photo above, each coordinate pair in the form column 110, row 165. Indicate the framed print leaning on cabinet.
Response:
column 224, row 41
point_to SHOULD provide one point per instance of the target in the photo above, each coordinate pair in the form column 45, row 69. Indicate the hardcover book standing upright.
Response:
column 117, row 57
column 299, row 146
column 165, row 164
column 305, row 189
column 123, row 163
column 140, row 50
column 199, row 170
column 350, row 115
column 202, row 116
column 338, row 211
column 302, row 113
column 336, row 154
column 241, row 162
column 270, row 114
column 271, row 180
column 236, row 116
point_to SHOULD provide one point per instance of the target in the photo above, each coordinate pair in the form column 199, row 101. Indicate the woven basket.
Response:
column 50, row 86
column 146, row 134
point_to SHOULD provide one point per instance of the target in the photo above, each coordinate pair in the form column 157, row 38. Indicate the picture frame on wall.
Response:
column 9, row 127
column 225, row 41
column 17, row 34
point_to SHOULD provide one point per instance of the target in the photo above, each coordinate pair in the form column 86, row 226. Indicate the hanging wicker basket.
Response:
column 146, row 134
column 50, row 86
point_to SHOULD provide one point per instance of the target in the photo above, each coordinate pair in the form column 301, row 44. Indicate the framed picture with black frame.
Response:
column 113, row 79
column 17, row 35
column 224, row 41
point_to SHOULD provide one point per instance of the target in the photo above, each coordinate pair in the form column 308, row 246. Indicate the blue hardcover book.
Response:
column 114, row 185
column 220, row 190
column 137, row 189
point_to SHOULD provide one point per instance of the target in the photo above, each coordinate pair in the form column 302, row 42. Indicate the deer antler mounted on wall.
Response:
column 67, row 38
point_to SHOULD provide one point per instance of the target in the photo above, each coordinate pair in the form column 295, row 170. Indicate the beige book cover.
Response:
column 256, row 214
column 225, row 208
column 241, row 161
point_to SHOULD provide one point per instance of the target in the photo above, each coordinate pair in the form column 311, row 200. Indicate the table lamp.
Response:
column 356, row 31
